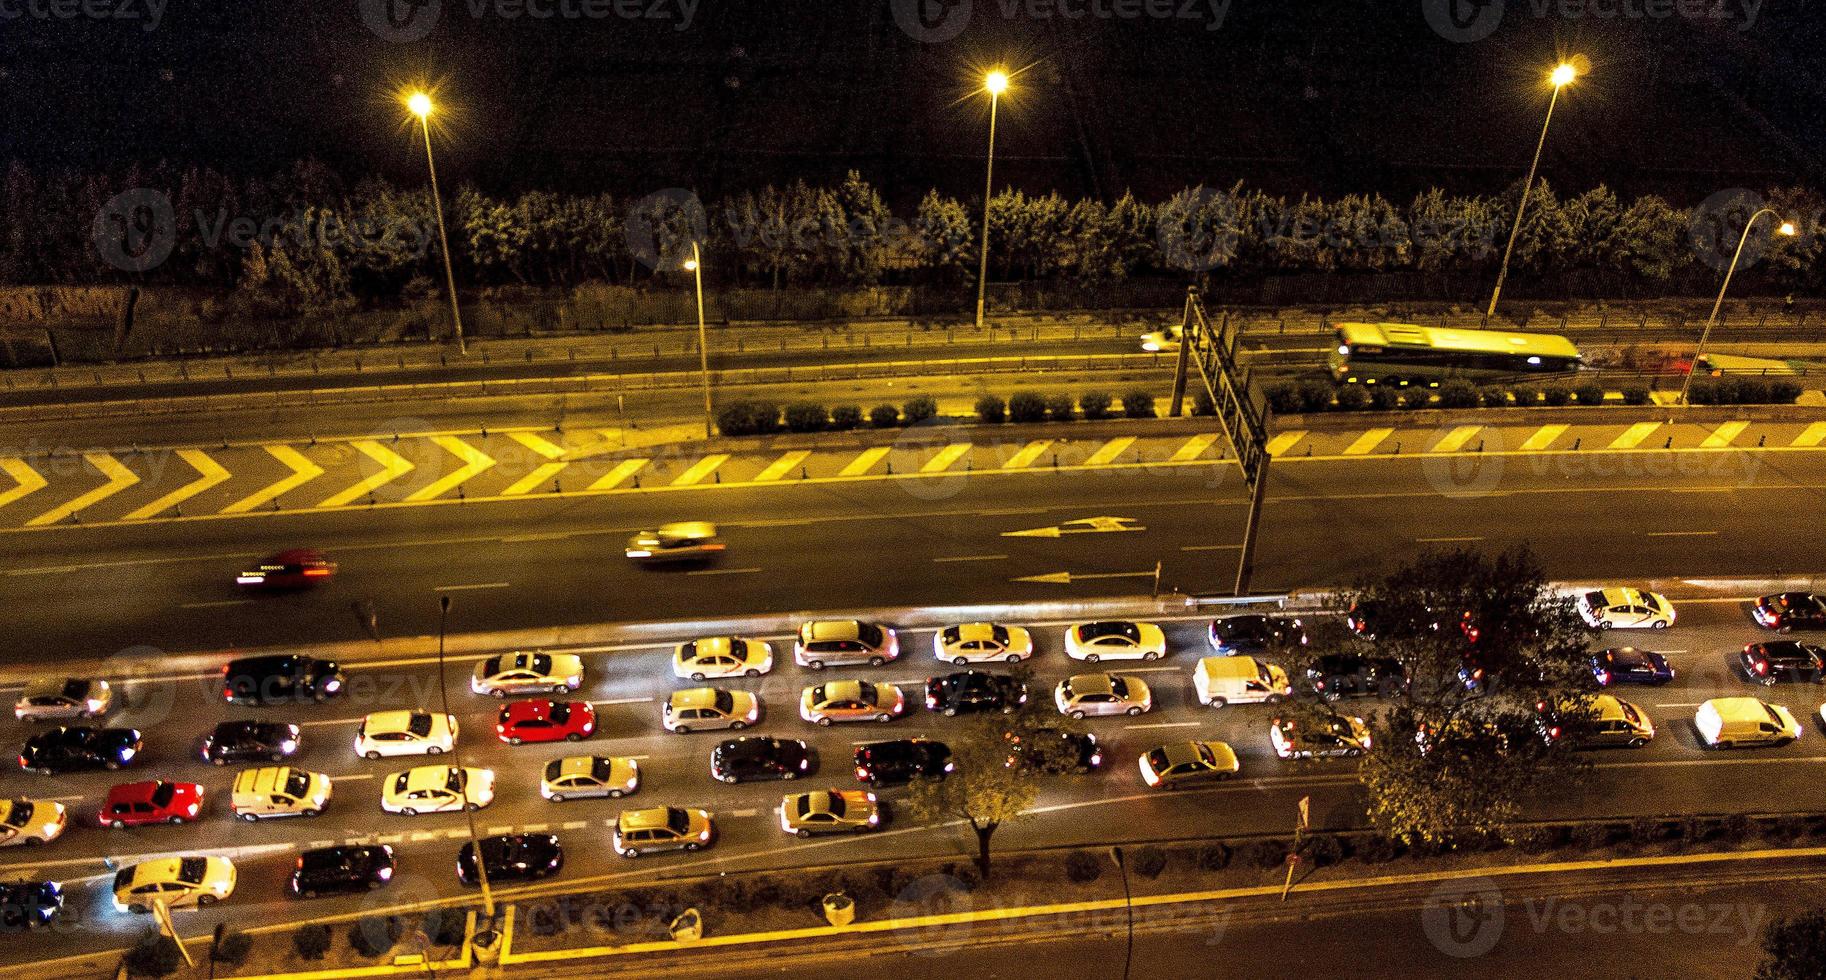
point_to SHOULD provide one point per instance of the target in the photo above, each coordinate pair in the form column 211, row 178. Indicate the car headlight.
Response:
column 127, row 753
column 575, row 680
column 288, row 746
column 332, row 685
column 249, row 579
column 704, row 834
column 384, row 874
column 804, row 763
column 874, row 818
column 950, row 766
column 639, row 553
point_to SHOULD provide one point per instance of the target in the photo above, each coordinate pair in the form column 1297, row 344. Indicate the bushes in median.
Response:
column 373, row 935
column 1095, row 405
column 1082, row 867
column 1138, row 404
column 807, row 417
column 846, row 417
column 1061, row 407
column 884, row 416
column 155, row 955
column 312, row 941
column 748, row 418
column 1027, row 406
column 919, row 409
column 1744, row 391
column 991, row 408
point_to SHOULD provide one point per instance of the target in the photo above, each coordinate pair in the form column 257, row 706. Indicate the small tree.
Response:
column 1061, row 407
column 884, row 416
column 155, row 955
column 807, row 417
column 919, row 409
column 983, row 791
column 1138, row 404
column 1794, row 948
column 232, row 948
column 991, row 409
column 1095, row 404
column 312, row 941
column 846, row 417
column 1027, row 406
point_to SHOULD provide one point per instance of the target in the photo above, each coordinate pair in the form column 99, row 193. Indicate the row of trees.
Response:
column 305, row 240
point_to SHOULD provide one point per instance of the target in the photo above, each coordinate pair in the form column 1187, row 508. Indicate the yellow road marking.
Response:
column 946, row 456
column 617, row 476
column 700, row 470
column 303, row 471
column 1813, row 436
column 474, row 460
column 1110, row 450
column 1456, row 439
column 1724, row 434
column 209, row 473
column 545, row 473
column 1367, row 441
column 782, row 466
column 1633, row 436
column 865, row 462
column 27, row 478
column 1279, row 445
column 1028, row 453
column 1543, row 437
column 1194, row 447
column 537, row 443
column 393, row 466
column 119, row 478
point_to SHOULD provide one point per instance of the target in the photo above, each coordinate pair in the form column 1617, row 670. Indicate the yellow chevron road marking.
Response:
column 27, row 478
column 119, row 478
column 1027, row 454
column 1543, row 437
column 1111, row 450
column 865, row 462
column 1367, row 442
column 1723, row 435
column 619, row 475
column 545, row 473
column 1812, row 436
column 946, row 456
column 1633, row 436
column 303, row 471
column 701, row 470
column 1456, row 439
column 782, row 466
column 209, row 473
column 474, row 460
column 1194, row 447
column 537, row 443
column 1279, row 445
column 393, row 466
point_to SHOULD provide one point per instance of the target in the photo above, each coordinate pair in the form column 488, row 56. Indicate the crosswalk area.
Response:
column 422, row 469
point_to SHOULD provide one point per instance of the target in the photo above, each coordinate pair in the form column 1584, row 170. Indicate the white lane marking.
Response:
column 62, row 799
column 1164, row 724
column 1681, row 534
column 640, row 758
column 971, row 558
column 214, row 605
column 743, row 813
column 1680, row 704
column 548, row 536
column 623, row 701
column 536, row 828
column 1445, row 540
column 576, row 825
column 331, row 721
column 497, row 831
column 464, row 588
column 424, row 835
column 723, row 571
column 1208, row 547
column 1144, row 670
column 353, row 776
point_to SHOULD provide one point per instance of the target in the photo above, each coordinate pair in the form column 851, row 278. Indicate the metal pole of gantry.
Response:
column 1186, row 326
column 1245, row 562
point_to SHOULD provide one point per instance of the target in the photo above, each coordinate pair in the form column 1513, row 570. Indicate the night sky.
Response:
column 1150, row 95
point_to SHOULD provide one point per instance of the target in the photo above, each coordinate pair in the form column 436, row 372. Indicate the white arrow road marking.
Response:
column 1067, row 578
column 209, row 473
column 303, row 471
column 1083, row 525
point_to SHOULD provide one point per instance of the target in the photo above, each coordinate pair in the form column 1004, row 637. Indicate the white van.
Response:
column 1238, row 680
column 1725, row 722
column 279, row 791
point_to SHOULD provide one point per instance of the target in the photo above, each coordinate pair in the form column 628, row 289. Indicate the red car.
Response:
column 300, row 568
column 153, row 801
column 541, row 720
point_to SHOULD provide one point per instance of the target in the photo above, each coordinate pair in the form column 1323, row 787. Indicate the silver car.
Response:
column 62, row 699
column 844, row 643
column 1087, row 695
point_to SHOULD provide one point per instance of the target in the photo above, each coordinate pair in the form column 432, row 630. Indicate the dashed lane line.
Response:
column 957, row 558
column 216, row 604
column 723, row 571
column 471, row 587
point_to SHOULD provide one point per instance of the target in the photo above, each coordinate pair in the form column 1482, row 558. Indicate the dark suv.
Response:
column 341, row 870
column 1345, row 675
column 250, row 741
column 280, row 679
column 29, row 904
column 512, row 857
column 752, row 757
column 1055, row 752
column 1786, row 611
column 972, row 691
column 898, row 761
column 71, row 749
column 1254, row 633
column 1783, row 660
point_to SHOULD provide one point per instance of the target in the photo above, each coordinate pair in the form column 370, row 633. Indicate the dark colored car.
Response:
column 512, row 857
column 1628, row 665
column 1055, row 752
column 1254, row 633
column 1783, row 660
column 1346, row 675
column 77, row 748
column 1786, row 611
column 752, row 757
column 250, row 741
column 971, row 691
column 29, row 904
column 300, row 568
column 341, row 870
column 280, row 679
column 898, row 761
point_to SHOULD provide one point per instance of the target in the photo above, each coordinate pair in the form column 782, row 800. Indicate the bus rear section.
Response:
column 1406, row 353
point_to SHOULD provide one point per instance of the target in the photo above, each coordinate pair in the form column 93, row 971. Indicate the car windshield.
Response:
column 20, row 813
column 688, row 649
column 1097, row 631
column 678, row 821
column 999, row 634
column 1774, row 718
column 834, row 803
column 400, row 782
column 123, row 878
column 1262, row 674
column 869, row 633
column 163, row 794
column 555, row 769
column 1157, row 760
column 192, row 869
column 601, row 769
column 1205, row 756
column 738, row 647
column 866, row 691
column 455, row 782
column 540, row 663
column 75, row 690
column 297, row 784
column 951, row 635
column 491, row 666
column 1595, row 600
column 419, row 724
column 725, row 701
column 1119, row 687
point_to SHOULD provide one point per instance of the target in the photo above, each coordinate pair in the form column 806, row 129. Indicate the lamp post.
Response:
column 995, row 83
column 420, row 104
column 1785, row 228
column 1128, row 904
column 456, row 752
column 696, row 265
column 1562, row 76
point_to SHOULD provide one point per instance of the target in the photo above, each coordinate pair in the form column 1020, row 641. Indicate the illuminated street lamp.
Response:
column 695, row 266
column 420, row 105
column 1561, row 76
column 995, row 83
column 1785, row 228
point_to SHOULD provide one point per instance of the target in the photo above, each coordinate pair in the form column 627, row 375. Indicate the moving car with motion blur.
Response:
column 299, row 568
column 345, row 869
column 577, row 777
column 1630, row 665
column 680, row 541
column 63, row 699
column 830, row 811
column 976, row 643
column 76, row 748
column 756, row 757
column 528, row 673
column 280, row 679
column 662, row 828
column 31, row 821
column 1253, row 633
column 544, row 720
column 250, row 741
column 1340, row 736
column 722, row 656
column 511, row 857
column 1786, row 611
column 437, row 789
column 175, row 882
column 1182, row 763
column 1625, row 609
column 1115, row 640
column 150, row 802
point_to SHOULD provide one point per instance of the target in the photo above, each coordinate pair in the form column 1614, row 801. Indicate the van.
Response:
column 662, row 828
column 279, row 791
column 1725, row 722
column 1238, row 680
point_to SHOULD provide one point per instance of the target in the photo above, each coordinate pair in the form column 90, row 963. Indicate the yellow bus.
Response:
column 1406, row 353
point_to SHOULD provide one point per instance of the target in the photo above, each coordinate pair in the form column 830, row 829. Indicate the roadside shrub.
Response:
column 1385, row 399
column 375, row 934
column 1202, row 404
column 884, row 416
column 1592, row 836
column 1733, row 827
column 1149, row 862
column 1095, row 405
column 1458, row 393
column 846, row 417
column 233, row 948
column 1026, row 406
column 1264, row 854
column 1214, row 856
column 964, row 874
column 445, row 926
column 1494, row 398
column 1139, row 404
column 540, row 918
column 1783, row 391
column 1635, row 395
column 1702, row 393
column 1784, row 829
column 1352, row 398
column 1284, row 398
column 1377, row 849
column 1753, row 391
column 1539, row 840
column 155, row 955
column 737, row 419
column 807, row 417
column 766, row 417
column 919, row 409
column 1556, row 397
column 1589, row 393
column 1729, row 391
column 1082, row 867
column 312, row 941
column 991, row 408
column 1650, row 830
column 1315, row 396
column 1417, row 396
column 1322, row 850
column 1525, row 397
column 1061, row 407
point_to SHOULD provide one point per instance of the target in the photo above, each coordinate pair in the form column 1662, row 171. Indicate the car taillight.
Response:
column 861, row 773
column 1762, row 667
column 1603, row 677
column 316, row 572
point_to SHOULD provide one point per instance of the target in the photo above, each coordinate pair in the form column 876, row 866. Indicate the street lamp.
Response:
column 1561, row 76
column 1128, row 904
column 995, row 83
column 456, row 751
column 696, row 267
column 1785, row 228
column 420, row 105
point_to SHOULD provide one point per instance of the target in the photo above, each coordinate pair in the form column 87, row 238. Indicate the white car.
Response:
column 61, row 698
column 722, row 656
column 437, row 789
column 1084, row 695
column 976, row 643
column 1115, row 640
column 391, row 733
column 528, row 673
column 175, row 882
column 1156, row 341
column 31, row 821
column 1626, row 609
